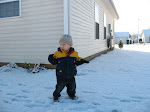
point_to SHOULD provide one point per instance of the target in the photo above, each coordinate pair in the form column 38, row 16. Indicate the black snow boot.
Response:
column 55, row 98
column 73, row 97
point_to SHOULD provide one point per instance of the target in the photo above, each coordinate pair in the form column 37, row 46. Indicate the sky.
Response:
column 132, row 12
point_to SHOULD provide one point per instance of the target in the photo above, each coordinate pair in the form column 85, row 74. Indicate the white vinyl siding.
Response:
column 83, row 27
column 35, row 34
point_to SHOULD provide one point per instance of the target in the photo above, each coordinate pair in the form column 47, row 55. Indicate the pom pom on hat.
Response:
column 66, row 39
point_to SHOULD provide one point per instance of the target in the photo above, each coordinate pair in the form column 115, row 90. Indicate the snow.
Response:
column 114, row 82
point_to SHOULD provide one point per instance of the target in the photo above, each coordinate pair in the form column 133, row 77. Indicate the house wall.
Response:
column 147, row 39
column 136, row 40
column 34, row 35
column 82, row 26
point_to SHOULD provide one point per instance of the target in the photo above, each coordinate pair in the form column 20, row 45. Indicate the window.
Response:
column 105, row 24
column 96, row 21
column 9, row 8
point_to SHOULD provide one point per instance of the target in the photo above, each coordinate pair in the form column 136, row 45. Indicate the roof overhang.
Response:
column 111, row 8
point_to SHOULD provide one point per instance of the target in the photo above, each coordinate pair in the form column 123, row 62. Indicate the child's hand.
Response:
column 84, row 61
column 52, row 60
column 51, row 56
column 81, row 62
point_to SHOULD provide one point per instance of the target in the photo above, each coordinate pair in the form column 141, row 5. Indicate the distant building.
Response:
column 138, row 36
column 135, row 37
column 146, row 36
column 124, row 36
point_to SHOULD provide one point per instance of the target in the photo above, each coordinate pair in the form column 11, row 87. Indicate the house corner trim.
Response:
column 66, row 16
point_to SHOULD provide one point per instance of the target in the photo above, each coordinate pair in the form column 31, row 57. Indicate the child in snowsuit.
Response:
column 66, row 59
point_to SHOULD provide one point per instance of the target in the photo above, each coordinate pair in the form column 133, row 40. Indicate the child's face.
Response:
column 65, row 46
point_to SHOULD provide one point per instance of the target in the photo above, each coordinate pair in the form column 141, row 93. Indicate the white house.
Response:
column 124, row 36
column 30, row 29
column 146, row 36
column 135, row 38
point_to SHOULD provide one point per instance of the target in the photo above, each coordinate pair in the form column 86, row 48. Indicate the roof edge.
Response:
column 112, row 3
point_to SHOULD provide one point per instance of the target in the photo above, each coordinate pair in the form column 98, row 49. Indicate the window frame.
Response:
column 105, row 25
column 97, row 21
column 6, row 1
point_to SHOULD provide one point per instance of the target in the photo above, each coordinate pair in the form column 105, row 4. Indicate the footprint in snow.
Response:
column 6, row 101
column 84, row 109
column 91, row 71
column 71, row 101
column 116, row 110
column 111, row 98
column 125, row 101
column 20, row 100
column 11, row 94
column 36, row 105
column 122, row 100
column 97, row 104
column 139, row 97
column 88, row 92
column 26, row 91
column 49, row 88
column 22, row 96
column 40, row 102
column 98, row 111
column 128, row 101
column 21, row 85
column 3, row 85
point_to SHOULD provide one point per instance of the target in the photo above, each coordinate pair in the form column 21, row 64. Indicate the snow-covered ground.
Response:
column 118, row 81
